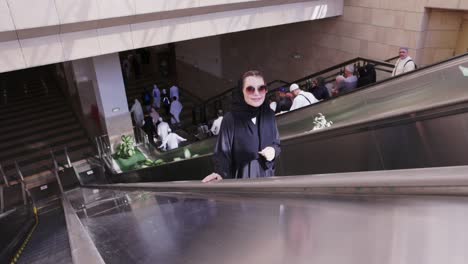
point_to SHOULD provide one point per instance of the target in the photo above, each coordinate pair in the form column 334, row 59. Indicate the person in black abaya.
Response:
column 248, row 141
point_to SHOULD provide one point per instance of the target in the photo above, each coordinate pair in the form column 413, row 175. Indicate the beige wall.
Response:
column 462, row 41
column 367, row 28
column 441, row 35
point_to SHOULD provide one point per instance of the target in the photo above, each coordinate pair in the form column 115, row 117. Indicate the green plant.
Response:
column 158, row 162
column 125, row 149
column 149, row 163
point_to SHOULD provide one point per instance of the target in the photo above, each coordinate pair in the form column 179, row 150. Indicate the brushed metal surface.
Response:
column 440, row 177
column 188, row 228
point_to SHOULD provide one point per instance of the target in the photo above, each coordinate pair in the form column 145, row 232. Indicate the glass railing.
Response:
column 427, row 88
column 208, row 109
column 430, row 87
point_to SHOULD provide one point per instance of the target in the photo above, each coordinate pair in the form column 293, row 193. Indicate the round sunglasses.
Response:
column 262, row 89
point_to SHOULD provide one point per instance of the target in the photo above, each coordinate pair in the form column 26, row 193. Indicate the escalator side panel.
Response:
column 192, row 169
column 349, row 152
column 434, row 142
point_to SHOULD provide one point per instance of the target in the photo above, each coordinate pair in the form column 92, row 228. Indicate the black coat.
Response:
column 320, row 92
column 240, row 140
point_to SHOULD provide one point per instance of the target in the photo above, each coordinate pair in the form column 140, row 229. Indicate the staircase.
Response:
column 36, row 119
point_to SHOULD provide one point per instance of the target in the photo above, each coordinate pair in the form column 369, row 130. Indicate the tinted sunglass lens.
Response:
column 251, row 89
column 262, row 89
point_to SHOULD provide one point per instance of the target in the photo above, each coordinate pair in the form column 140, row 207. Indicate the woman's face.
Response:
column 254, row 90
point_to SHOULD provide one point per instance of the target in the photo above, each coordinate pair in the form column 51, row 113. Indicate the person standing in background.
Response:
column 217, row 123
column 176, row 108
column 174, row 91
column 404, row 63
column 156, row 97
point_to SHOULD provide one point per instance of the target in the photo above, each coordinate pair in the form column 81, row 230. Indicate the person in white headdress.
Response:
column 301, row 98
column 404, row 63
column 163, row 129
column 176, row 108
column 174, row 91
column 172, row 141
column 137, row 111
column 156, row 97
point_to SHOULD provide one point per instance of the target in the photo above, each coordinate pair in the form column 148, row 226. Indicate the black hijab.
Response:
column 265, row 116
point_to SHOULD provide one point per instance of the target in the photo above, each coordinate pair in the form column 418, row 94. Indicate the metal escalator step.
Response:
column 49, row 242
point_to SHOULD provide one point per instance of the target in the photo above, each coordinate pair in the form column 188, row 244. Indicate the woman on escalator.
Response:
column 248, row 142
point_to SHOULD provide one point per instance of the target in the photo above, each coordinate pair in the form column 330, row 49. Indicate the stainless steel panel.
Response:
column 445, row 140
column 401, row 147
column 434, row 142
column 349, row 152
column 172, row 228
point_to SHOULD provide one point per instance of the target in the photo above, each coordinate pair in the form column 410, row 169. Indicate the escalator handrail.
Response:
column 418, row 177
column 343, row 64
column 381, row 82
column 203, row 106
column 390, row 59
column 335, row 67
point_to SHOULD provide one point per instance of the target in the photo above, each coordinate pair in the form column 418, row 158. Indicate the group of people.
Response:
column 248, row 143
column 158, row 99
column 149, row 119
column 284, row 100
column 203, row 130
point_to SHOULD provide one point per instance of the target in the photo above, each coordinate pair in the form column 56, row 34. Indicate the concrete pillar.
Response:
column 101, row 90
column 111, row 96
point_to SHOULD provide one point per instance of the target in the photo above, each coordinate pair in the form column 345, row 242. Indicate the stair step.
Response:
column 44, row 159
column 47, row 128
column 45, row 143
column 30, row 138
column 32, row 109
column 34, row 115
column 45, row 164
column 29, row 102
column 45, row 151
column 47, row 120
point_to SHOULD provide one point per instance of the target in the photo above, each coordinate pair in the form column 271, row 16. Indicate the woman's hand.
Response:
column 212, row 177
column 268, row 153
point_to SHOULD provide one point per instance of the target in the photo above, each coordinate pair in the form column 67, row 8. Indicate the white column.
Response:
column 99, row 82
column 111, row 97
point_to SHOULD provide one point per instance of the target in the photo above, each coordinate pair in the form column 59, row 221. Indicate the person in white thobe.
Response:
column 301, row 98
column 156, row 97
column 273, row 105
column 163, row 129
column 176, row 108
column 137, row 111
column 216, row 125
column 404, row 64
column 174, row 91
column 172, row 141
